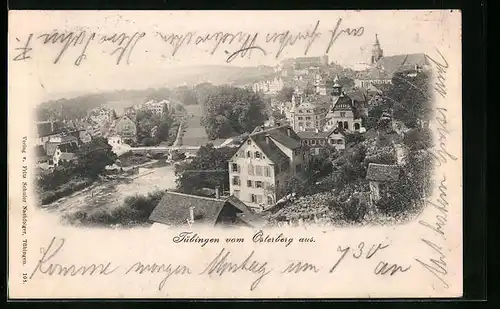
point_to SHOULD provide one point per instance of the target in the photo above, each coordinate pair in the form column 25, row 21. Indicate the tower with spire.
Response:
column 377, row 52
column 336, row 88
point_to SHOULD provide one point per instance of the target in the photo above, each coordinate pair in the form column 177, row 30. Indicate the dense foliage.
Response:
column 209, row 169
column 134, row 211
column 228, row 111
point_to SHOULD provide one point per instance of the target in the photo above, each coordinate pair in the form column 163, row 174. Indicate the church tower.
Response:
column 377, row 52
column 336, row 88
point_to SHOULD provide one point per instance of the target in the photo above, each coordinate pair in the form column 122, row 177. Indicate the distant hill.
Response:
column 79, row 106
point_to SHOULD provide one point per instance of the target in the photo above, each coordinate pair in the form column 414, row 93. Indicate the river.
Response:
column 112, row 193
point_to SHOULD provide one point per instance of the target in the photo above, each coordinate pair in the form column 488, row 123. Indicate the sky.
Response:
column 151, row 60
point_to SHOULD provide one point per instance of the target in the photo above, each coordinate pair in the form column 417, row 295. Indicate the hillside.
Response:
column 77, row 107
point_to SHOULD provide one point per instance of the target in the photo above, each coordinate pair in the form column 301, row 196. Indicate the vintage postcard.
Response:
column 235, row 154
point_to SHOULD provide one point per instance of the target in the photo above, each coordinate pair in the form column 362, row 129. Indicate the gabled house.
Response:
column 318, row 140
column 266, row 159
column 343, row 114
column 125, row 128
column 46, row 130
column 380, row 175
column 184, row 210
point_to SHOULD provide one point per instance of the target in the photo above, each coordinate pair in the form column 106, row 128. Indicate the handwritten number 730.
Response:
column 358, row 252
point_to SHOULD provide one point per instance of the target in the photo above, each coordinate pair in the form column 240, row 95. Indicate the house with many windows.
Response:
column 265, row 160
column 343, row 115
column 318, row 140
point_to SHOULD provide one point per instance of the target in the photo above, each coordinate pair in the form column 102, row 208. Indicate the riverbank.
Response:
column 47, row 197
column 110, row 192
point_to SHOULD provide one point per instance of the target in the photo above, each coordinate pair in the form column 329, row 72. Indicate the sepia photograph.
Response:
column 328, row 135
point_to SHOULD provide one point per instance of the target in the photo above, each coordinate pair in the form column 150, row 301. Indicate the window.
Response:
column 301, row 111
column 236, row 193
column 339, row 141
column 249, row 184
column 258, row 184
column 356, row 126
column 300, row 118
column 269, row 200
column 308, row 110
column 256, row 198
column 234, row 168
column 317, row 123
column 277, row 183
column 298, row 168
column 258, row 170
column 236, row 180
column 332, row 141
column 257, row 155
column 267, row 171
column 249, row 142
column 322, row 142
column 339, row 124
column 308, row 118
column 317, row 117
column 250, row 169
column 249, row 154
column 313, row 142
column 342, row 114
column 346, row 125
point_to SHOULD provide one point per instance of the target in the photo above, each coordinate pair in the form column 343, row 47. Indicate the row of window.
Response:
column 308, row 124
column 322, row 141
column 251, row 155
column 236, row 181
column 256, row 198
column 307, row 118
column 301, row 111
column 257, row 170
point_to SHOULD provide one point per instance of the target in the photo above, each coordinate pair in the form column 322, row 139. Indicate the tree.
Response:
column 186, row 95
column 354, row 138
column 94, row 157
column 417, row 139
column 207, row 170
column 285, row 94
column 409, row 97
column 320, row 165
column 202, row 91
column 295, row 184
column 229, row 110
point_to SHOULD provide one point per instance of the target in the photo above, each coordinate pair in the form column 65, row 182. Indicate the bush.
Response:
column 148, row 141
column 354, row 138
column 134, row 211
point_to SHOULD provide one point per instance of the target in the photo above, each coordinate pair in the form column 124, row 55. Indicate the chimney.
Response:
column 217, row 193
column 289, row 131
column 191, row 214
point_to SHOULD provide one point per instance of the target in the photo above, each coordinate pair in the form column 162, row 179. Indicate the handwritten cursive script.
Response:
column 221, row 265
column 437, row 266
column 43, row 266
